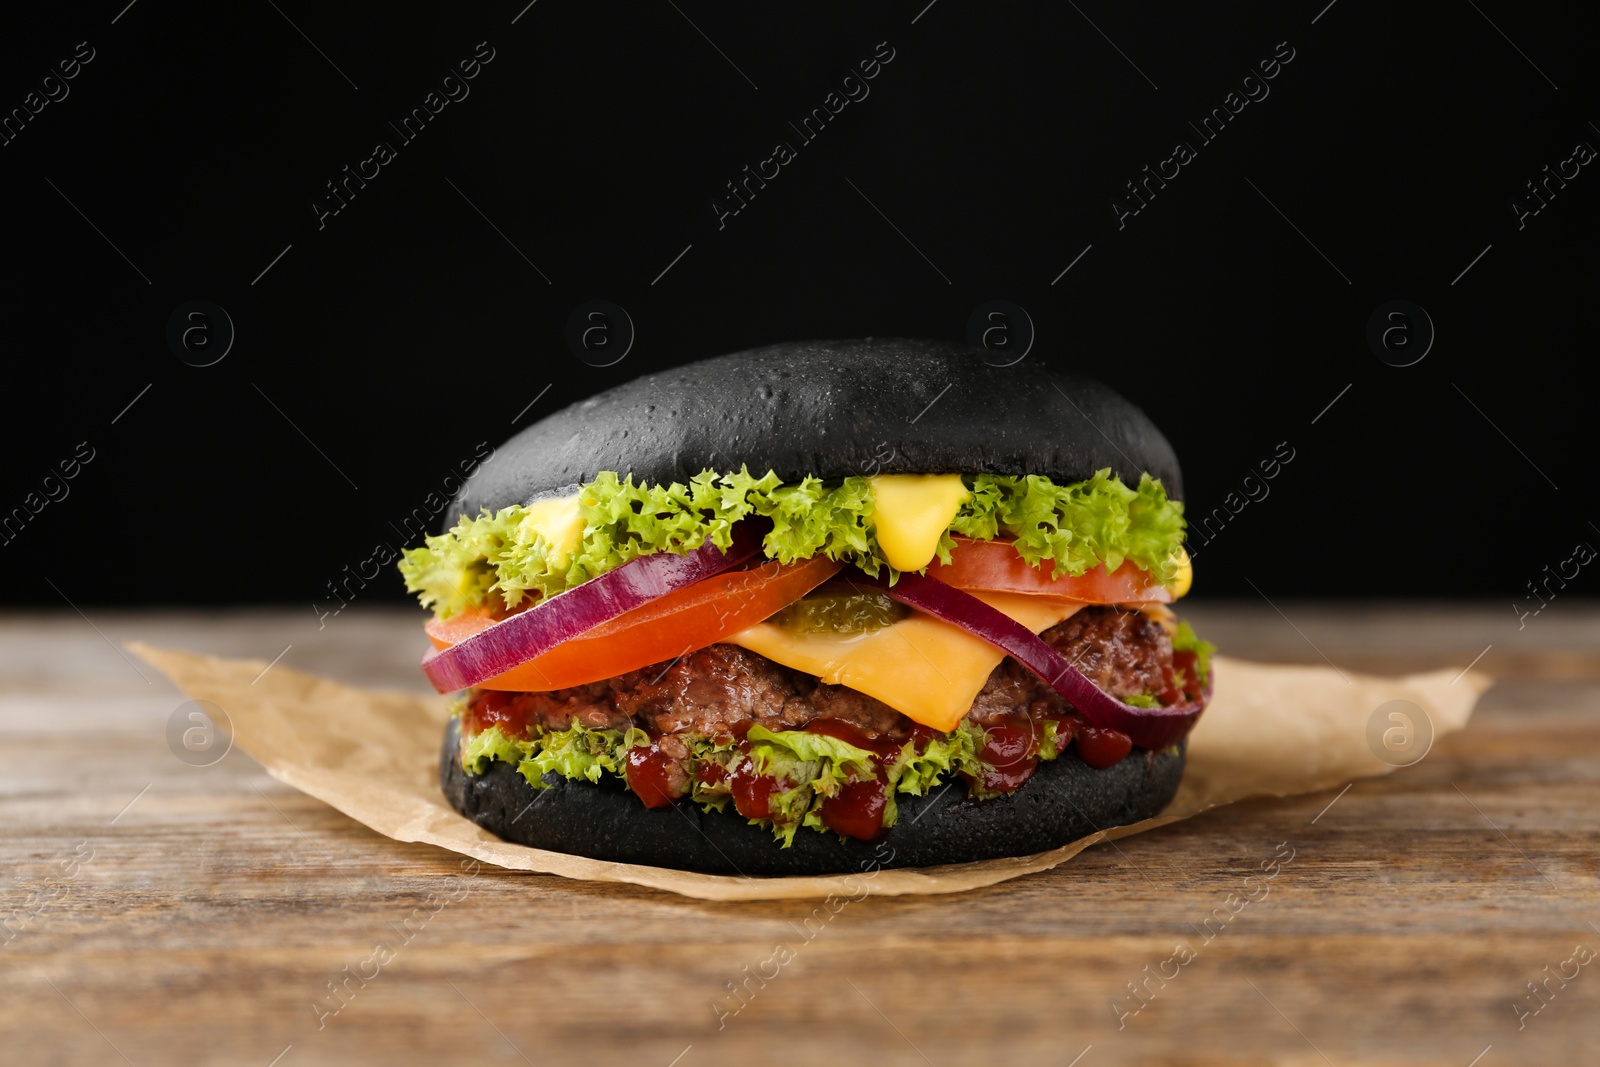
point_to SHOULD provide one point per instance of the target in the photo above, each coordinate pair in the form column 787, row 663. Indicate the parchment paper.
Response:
column 1269, row 731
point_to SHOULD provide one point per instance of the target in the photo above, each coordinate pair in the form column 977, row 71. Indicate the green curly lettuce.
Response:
column 712, row 791
column 578, row 752
column 1050, row 742
column 486, row 746
column 814, row 766
column 460, row 568
column 812, row 518
column 1075, row 527
column 916, row 772
column 800, row 755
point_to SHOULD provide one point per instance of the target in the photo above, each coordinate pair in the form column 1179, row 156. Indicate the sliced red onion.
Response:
column 1153, row 728
column 564, row 616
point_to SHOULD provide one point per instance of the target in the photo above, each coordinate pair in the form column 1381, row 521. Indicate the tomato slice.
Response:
column 996, row 566
column 671, row 626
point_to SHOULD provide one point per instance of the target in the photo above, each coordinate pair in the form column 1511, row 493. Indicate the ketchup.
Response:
column 884, row 751
column 1185, row 661
column 752, row 792
column 1169, row 691
column 491, row 707
column 1067, row 727
column 1009, row 754
column 857, row 810
column 648, row 775
column 921, row 735
column 1101, row 747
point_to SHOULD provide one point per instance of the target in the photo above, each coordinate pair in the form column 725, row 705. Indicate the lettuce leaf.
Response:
column 779, row 752
column 1050, row 745
column 712, row 795
column 486, row 746
column 1075, row 527
column 579, row 752
column 811, row 517
column 815, row 766
column 918, row 772
column 460, row 568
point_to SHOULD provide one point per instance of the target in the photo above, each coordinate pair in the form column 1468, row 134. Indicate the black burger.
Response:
column 812, row 606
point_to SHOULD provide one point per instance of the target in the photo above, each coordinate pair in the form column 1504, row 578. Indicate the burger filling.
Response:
column 790, row 691
column 726, row 726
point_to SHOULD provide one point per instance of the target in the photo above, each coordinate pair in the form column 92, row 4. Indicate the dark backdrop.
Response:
column 376, row 347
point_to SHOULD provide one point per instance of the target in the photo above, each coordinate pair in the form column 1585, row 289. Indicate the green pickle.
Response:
column 838, row 611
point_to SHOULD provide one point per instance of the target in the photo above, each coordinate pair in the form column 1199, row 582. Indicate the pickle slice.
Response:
column 840, row 611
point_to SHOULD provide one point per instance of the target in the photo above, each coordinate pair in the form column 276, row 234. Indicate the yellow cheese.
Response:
column 1185, row 578
column 557, row 521
column 928, row 670
column 911, row 512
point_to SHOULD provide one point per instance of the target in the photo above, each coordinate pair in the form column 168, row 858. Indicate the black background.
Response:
column 380, row 349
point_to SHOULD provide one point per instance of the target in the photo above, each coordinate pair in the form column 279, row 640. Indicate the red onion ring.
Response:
column 1153, row 728
column 533, row 632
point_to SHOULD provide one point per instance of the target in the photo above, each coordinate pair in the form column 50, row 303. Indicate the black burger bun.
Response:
column 832, row 409
column 1064, row 800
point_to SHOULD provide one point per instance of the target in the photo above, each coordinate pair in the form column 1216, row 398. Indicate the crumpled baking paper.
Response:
column 1269, row 731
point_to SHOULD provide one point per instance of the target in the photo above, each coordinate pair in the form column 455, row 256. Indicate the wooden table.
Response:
column 161, row 913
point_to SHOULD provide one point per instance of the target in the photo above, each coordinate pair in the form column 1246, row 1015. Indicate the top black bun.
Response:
column 832, row 409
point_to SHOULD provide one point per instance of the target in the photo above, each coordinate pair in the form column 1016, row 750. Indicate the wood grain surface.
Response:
column 153, row 912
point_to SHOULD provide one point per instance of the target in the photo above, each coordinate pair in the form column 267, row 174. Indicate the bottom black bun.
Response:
column 1064, row 800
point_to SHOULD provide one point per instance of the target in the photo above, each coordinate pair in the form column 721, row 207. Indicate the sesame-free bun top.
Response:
column 833, row 409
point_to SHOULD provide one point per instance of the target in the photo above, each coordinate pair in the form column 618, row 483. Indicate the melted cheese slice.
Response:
column 910, row 512
column 928, row 670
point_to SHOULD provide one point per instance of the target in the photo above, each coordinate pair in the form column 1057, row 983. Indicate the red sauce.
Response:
column 1067, row 727
column 752, row 792
column 857, row 810
column 1101, row 747
column 1185, row 662
column 710, row 772
column 1169, row 692
column 491, row 707
column 922, row 735
column 648, row 775
column 883, row 749
column 1009, row 755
